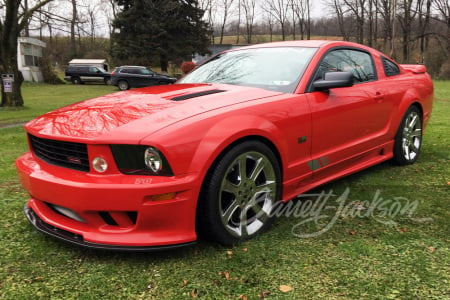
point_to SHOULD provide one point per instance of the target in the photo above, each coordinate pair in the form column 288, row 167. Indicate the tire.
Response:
column 76, row 80
column 123, row 85
column 108, row 81
column 408, row 139
column 239, row 194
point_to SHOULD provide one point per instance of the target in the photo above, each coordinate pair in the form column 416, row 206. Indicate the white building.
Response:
column 29, row 50
column 101, row 63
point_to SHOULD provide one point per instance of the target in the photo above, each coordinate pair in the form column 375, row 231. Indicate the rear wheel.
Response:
column 239, row 194
column 408, row 140
column 76, row 80
column 123, row 85
column 107, row 81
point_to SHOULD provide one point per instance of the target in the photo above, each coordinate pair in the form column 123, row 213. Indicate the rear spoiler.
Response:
column 416, row 69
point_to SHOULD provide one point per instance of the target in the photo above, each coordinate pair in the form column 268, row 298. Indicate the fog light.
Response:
column 99, row 164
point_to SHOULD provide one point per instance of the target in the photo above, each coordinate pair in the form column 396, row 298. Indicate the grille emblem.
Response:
column 75, row 160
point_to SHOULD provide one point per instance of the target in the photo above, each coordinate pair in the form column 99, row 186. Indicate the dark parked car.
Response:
column 136, row 76
column 84, row 73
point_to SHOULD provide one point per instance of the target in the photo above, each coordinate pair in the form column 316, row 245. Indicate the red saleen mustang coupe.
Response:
column 212, row 155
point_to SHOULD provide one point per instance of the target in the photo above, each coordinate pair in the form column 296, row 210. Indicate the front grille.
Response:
column 64, row 154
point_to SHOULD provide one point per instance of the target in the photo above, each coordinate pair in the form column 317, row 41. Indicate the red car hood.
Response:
column 134, row 114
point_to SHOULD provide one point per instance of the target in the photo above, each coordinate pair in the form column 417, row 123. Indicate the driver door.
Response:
column 348, row 121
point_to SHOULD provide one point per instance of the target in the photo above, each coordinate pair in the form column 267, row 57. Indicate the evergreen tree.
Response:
column 147, row 31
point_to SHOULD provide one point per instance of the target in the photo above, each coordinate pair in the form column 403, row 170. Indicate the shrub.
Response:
column 444, row 71
column 187, row 66
column 48, row 72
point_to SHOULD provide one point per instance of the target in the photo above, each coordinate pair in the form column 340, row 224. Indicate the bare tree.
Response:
column 341, row 14
column 73, row 23
column 270, row 23
column 291, row 4
column 226, row 9
column 372, row 17
column 387, row 9
column 207, row 7
column 278, row 9
column 424, row 10
column 406, row 16
column 443, row 9
column 357, row 7
column 248, row 6
column 302, row 11
column 238, row 23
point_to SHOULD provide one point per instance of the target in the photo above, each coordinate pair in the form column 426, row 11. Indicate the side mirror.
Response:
column 334, row 80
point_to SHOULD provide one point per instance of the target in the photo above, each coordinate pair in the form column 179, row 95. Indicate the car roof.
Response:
column 136, row 67
column 304, row 43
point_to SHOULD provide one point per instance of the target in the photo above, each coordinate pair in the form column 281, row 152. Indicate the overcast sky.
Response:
column 102, row 13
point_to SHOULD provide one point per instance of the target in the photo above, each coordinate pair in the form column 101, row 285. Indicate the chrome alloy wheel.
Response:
column 412, row 136
column 247, row 194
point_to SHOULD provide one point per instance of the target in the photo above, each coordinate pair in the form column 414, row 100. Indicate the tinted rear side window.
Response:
column 128, row 71
column 390, row 68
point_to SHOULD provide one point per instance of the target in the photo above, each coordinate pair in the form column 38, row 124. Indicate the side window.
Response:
column 346, row 60
column 93, row 69
column 390, row 68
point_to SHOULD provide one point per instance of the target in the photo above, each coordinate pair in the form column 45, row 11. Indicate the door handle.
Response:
column 378, row 97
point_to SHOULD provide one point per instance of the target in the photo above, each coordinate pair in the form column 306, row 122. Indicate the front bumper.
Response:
column 78, row 240
column 115, row 212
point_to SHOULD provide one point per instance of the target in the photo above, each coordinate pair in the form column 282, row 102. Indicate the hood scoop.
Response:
column 195, row 95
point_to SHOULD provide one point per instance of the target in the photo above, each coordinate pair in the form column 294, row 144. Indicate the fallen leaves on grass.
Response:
column 194, row 293
column 264, row 294
column 285, row 288
column 225, row 274
column 185, row 282
column 431, row 249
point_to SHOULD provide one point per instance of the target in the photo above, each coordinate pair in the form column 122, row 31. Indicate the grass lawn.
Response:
column 41, row 98
column 370, row 256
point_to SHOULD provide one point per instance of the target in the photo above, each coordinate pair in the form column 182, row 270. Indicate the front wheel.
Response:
column 408, row 140
column 239, row 194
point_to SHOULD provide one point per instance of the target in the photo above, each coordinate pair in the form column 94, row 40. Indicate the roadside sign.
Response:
column 8, row 80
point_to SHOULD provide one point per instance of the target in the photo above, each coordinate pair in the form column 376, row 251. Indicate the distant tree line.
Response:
column 411, row 31
column 154, row 32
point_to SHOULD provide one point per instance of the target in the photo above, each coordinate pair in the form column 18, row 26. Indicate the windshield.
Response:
column 278, row 69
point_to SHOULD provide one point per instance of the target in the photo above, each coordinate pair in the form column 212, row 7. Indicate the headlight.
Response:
column 153, row 160
column 140, row 160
